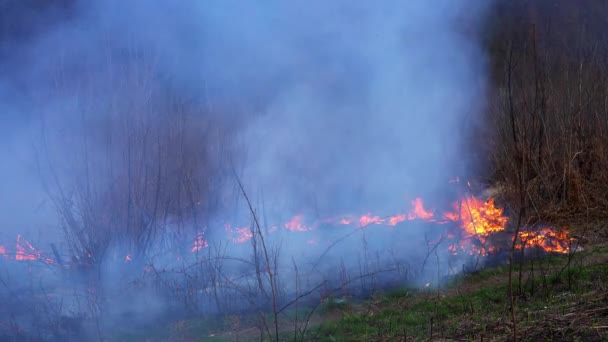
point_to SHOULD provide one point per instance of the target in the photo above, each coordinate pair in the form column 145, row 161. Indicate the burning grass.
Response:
column 242, row 275
column 478, row 222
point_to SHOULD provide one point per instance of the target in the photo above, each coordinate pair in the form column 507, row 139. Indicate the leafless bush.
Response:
column 127, row 156
column 548, row 113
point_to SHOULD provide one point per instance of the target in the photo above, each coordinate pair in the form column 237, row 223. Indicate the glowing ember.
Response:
column 346, row 221
column 239, row 235
column 22, row 253
column 199, row 243
column 27, row 252
column 478, row 220
column 453, row 249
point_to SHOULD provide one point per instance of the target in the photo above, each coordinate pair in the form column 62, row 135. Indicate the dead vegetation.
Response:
column 547, row 115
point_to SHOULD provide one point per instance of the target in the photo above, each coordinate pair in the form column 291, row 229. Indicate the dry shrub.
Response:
column 126, row 156
column 549, row 111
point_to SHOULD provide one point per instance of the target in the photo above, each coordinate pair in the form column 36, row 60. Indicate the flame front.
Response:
column 546, row 239
column 418, row 212
column 476, row 219
column 26, row 252
column 295, row 224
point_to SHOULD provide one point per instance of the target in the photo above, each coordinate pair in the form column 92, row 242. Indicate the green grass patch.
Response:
column 459, row 312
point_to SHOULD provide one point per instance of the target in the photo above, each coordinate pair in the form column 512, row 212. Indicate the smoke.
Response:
column 340, row 106
column 327, row 108
column 372, row 104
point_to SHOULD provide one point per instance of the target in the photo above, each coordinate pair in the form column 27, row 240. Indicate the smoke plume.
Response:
column 320, row 108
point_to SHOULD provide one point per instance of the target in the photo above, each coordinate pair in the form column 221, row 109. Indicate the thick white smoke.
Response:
column 371, row 102
column 331, row 107
column 340, row 106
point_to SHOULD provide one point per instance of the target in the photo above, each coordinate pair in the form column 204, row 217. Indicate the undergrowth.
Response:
column 563, row 297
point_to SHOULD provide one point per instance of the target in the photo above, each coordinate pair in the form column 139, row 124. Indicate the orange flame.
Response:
column 394, row 220
column 295, row 224
column 368, row 219
column 480, row 218
column 546, row 239
column 419, row 212
column 27, row 252
column 478, row 221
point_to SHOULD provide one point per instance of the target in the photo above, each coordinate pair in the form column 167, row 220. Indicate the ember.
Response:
column 199, row 243
column 239, row 235
column 25, row 251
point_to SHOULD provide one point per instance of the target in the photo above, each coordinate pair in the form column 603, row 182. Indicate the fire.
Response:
column 419, row 212
column 478, row 221
column 368, row 219
column 472, row 222
column 394, row 220
column 199, row 242
column 295, row 224
column 479, row 218
column 25, row 251
column 239, row 235
column 546, row 239
column 453, row 249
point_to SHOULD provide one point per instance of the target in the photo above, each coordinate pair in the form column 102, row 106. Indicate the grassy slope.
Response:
column 563, row 298
column 560, row 300
column 566, row 305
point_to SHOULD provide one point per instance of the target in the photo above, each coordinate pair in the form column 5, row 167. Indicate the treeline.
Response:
column 547, row 114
